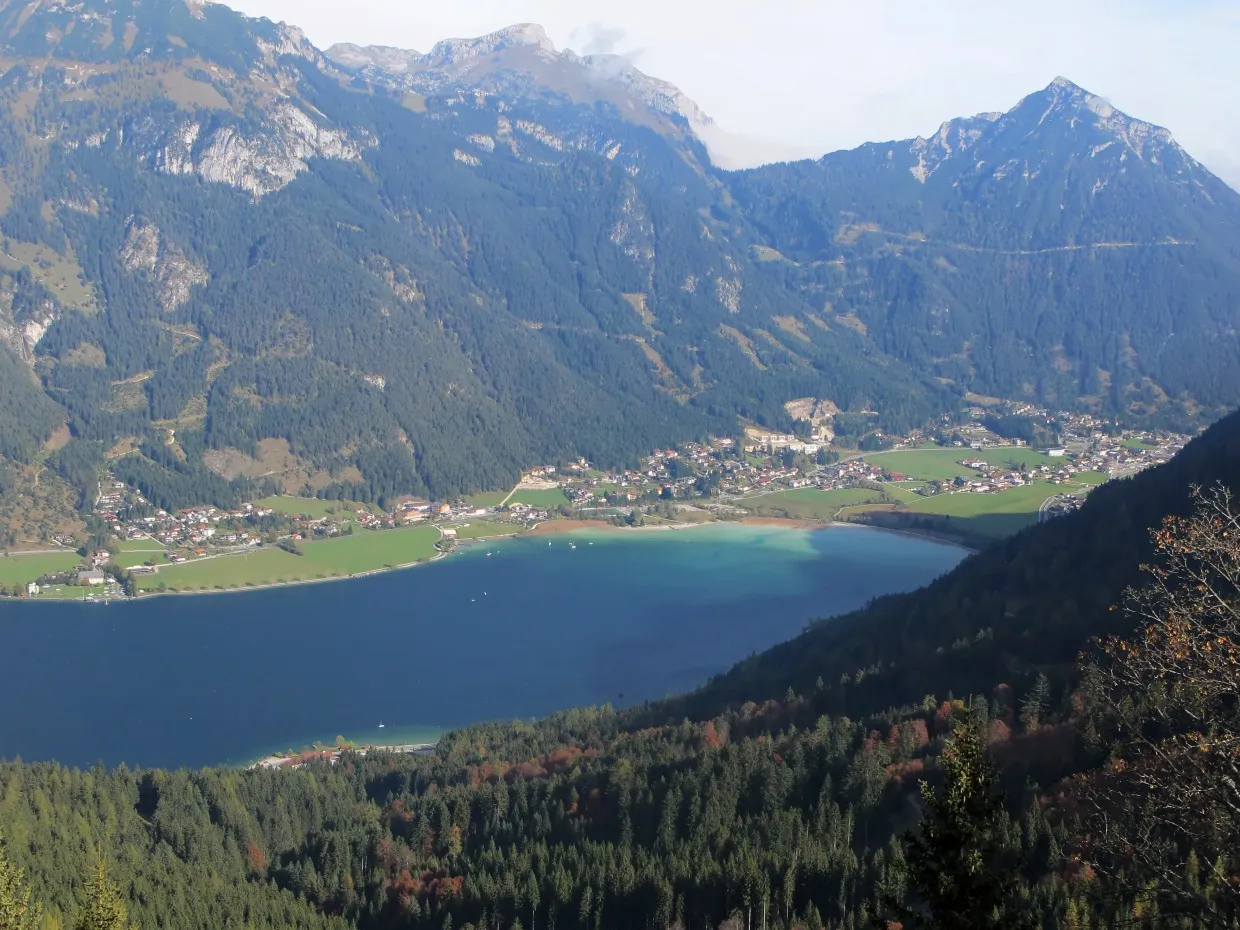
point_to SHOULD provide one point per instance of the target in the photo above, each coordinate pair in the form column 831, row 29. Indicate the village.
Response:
column 759, row 473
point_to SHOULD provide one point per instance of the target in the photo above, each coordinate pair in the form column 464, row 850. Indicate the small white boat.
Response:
column 380, row 726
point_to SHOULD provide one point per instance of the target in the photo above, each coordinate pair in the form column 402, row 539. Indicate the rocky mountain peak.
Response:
column 522, row 58
column 384, row 57
column 1074, row 104
column 1083, row 122
column 522, row 35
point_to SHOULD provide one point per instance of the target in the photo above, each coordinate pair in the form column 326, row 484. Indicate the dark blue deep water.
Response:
column 527, row 630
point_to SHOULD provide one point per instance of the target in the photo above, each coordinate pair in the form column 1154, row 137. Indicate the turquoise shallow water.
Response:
column 519, row 628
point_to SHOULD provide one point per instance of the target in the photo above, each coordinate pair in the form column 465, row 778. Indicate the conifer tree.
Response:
column 104, row 908
column 1034, row 705
column 17, row 910
column 957, row 861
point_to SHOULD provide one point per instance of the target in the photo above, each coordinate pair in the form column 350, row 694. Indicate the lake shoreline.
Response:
column 667, row 610
column 557, row 527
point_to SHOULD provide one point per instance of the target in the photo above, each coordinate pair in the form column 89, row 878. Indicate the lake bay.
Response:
column 511, row 629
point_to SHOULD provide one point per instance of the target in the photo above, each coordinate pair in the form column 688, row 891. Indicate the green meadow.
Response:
column 989, row 515
column 490, row 499
column 312, row 507
column 809, row 503
column 364, row 551
column 17, row 570
column 485, row 529
column 944, row 464
column 544, row 500
column 131, row 553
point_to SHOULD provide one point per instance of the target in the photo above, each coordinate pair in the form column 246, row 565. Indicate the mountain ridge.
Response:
column 472, row 61
column 208, row 207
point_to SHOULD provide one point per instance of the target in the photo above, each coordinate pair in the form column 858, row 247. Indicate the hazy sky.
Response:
column 811, row 76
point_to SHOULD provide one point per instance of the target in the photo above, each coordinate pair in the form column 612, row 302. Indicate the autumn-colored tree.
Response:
column 104, row 908
column 1161, row 820
column 958, row 865
column 17, row 910
column 1034, row 704
column 256, row 858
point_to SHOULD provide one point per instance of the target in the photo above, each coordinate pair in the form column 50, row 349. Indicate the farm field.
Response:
column 1019, row 505
column 312, row 507
column 490, row 499
column 979, row 516
column 483, row 529
column 1004, row 513
column 331, row 558
column 944, row 464
column 547, row 500
column 810, row 503
column 17, row 570
column 904, row 492
column 133, row 552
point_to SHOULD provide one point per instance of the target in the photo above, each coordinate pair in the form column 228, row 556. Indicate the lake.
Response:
column 518, row 628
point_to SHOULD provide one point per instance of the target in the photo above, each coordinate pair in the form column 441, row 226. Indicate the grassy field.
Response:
column 490, row 499
column 1091, row 478
column 311, row 507
column 545, row 500
column 136, row 558
column 61, row 592
column 18, row 570
column 974, row 517
column 1007, row 512
column 331, row 558
column 484, row 529
column 944, row 464
column 1001, row 514
column 136, row 545
column 133, row 552
column 904, row 492
column 809, row 503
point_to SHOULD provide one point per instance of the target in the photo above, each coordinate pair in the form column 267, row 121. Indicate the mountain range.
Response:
column 230, row 257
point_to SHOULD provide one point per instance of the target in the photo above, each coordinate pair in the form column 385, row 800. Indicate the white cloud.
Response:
column 816, row 75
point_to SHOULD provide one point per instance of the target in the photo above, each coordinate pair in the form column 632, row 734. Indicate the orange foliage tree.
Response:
column 1161, row 819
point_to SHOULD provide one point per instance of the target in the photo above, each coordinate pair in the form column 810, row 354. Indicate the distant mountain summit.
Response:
column 522, row 59
column 1066, row 151
column 1062, row 249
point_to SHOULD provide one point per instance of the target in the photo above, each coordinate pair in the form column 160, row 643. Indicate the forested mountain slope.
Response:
column 424, row 272
column 418, row 294
column 778, row 793
column 1063, row 251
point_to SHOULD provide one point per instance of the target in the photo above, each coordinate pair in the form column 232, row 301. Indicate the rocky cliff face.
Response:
column 23, row 323
column 167, row 267
column 259, row 160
